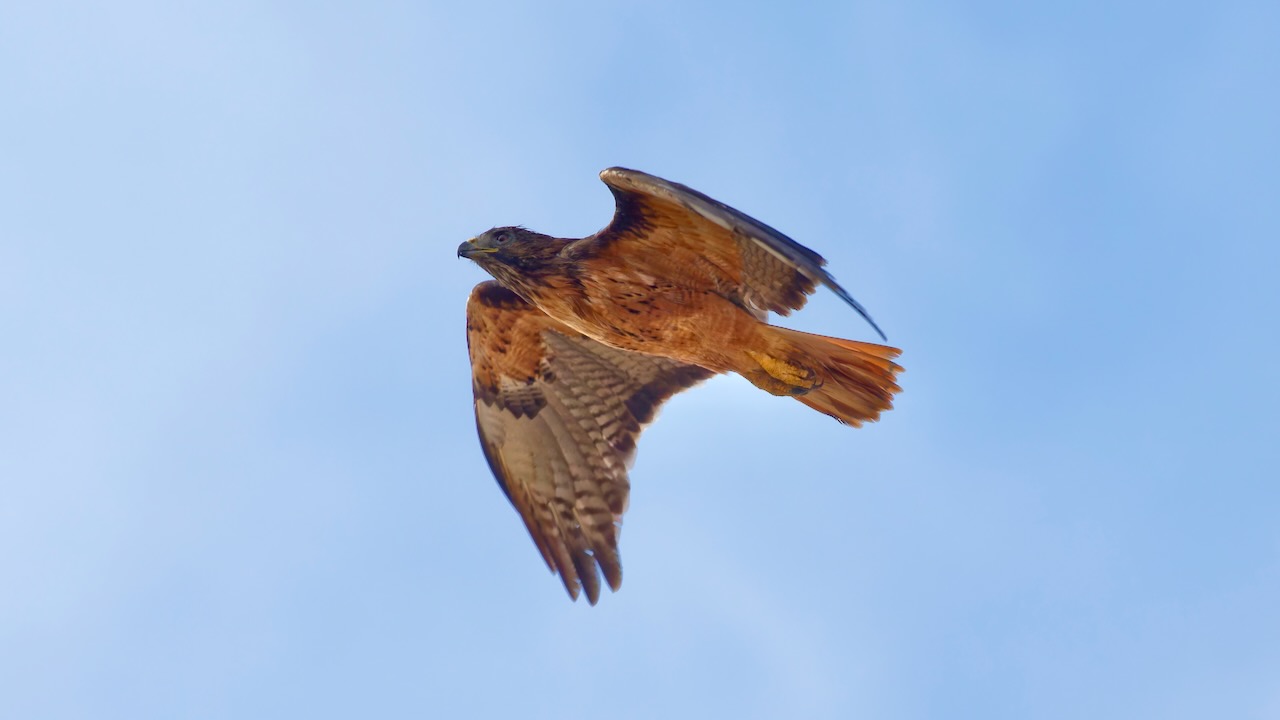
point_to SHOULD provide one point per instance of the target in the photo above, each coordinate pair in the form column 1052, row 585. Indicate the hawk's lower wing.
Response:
column 558, row 415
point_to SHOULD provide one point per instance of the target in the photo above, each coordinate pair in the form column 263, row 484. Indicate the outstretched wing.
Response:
column 703, row 239
column 558, row 415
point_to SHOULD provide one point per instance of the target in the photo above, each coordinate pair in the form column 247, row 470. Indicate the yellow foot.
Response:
column 781, row 377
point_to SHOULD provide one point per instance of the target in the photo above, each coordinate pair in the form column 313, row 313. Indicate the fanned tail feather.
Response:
column 851, row 381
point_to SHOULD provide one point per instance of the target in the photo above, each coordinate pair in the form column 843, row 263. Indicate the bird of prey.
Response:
column 575, row 344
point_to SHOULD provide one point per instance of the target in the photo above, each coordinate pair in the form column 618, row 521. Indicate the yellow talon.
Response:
column 796, row 378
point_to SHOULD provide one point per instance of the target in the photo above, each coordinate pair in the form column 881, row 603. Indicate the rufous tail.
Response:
column 851, row 381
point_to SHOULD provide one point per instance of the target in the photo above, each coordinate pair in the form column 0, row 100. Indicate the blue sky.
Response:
column 239, row 470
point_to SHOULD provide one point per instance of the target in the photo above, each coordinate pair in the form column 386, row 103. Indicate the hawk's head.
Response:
column 514, row 256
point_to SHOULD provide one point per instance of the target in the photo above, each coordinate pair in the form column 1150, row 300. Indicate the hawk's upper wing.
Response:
column 700, row 238
column 558, row 415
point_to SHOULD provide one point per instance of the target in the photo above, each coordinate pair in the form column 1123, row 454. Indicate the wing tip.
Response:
column 844, row 295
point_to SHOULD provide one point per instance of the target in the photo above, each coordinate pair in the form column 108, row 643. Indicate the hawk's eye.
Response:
column 501, row 238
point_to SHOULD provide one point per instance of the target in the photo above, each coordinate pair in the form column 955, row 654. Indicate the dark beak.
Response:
column 470, row 249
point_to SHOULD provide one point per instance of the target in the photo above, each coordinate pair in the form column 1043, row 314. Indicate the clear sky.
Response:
column 239, row 475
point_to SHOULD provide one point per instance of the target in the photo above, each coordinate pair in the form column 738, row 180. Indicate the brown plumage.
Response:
column 578, row 342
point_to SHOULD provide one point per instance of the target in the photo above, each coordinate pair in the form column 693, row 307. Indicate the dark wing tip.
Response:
column 844, row 295
column 581, row 573
column 571, row 586
column 585, row 565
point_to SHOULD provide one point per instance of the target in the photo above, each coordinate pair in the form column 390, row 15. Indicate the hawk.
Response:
column 576, row 342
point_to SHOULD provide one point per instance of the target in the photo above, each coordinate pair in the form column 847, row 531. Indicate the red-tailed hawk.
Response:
column 578, row 342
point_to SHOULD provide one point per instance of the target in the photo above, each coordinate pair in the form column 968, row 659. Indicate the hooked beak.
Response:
column 469, row 249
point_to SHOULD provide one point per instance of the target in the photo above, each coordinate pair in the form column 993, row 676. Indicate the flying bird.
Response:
column 576, row 342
